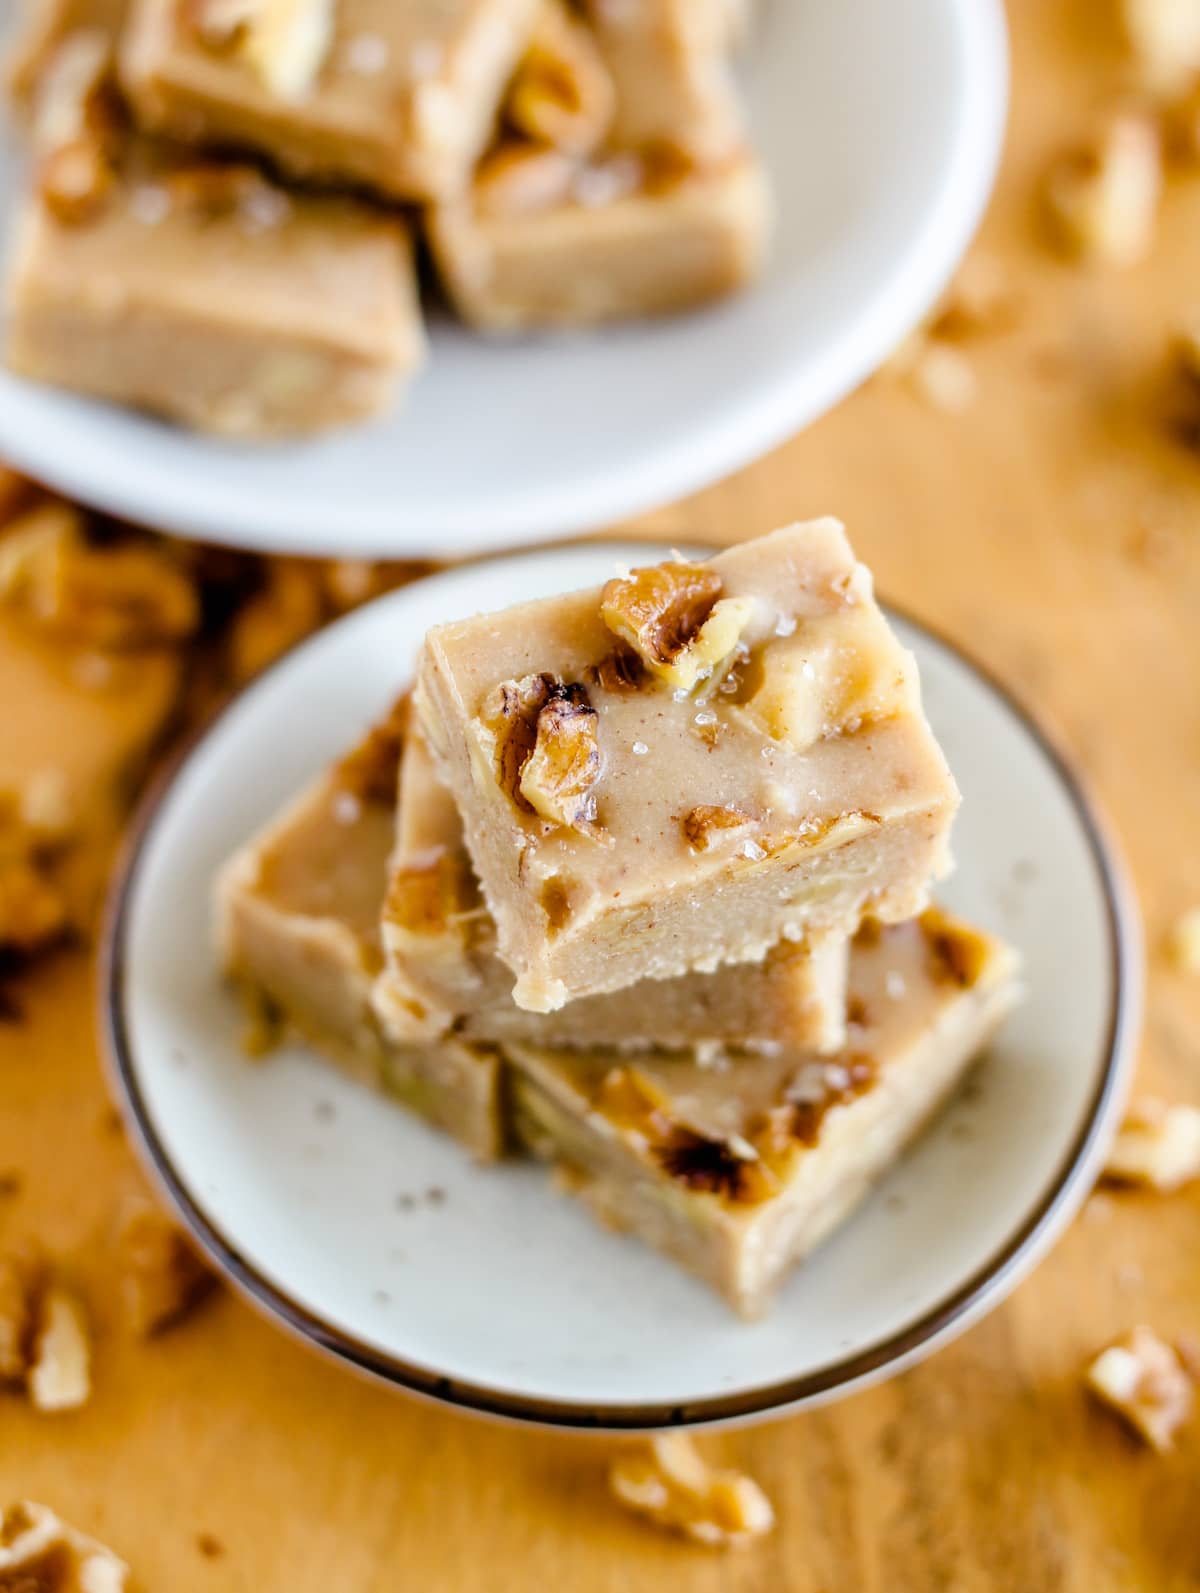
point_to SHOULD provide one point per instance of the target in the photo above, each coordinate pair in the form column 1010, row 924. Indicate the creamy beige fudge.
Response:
column 298, row 926
column 669, row 63
column 544, row 240
column 738, row 1175
column 688, row 766
column 200, row 292
column 443, row 972
column 399, row 96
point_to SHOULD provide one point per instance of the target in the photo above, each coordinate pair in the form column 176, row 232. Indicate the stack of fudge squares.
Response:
column 226, row 195
column 637, row 881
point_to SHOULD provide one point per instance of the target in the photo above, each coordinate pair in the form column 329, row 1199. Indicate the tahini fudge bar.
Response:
column 199, row 291
column 399, row 96
column 443, row 973
column 688, row 766
column 737, row 1175
column 298, row 911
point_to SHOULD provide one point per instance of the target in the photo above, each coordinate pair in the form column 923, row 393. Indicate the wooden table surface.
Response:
column 1055, row 529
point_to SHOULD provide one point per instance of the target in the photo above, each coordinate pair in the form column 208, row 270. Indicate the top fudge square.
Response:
column 689, row 765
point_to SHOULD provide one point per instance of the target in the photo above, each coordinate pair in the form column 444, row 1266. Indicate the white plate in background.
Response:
column 881, row 123
column 503, row 1295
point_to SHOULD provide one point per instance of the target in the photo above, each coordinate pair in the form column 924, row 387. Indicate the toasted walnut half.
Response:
column 1144, row 1379
column 128, row 593
column 562, row 93
column 829, row 676
column 675, row 619
column 1102, row 199
column 41, row 1554
column 283, row 42
column 1158, row 1144
column 162, row 1277
column 546, row 748
column 672, row 1486
column 707, row 826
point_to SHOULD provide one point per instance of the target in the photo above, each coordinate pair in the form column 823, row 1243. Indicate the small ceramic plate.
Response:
column 375, row 1237
column 881, row 123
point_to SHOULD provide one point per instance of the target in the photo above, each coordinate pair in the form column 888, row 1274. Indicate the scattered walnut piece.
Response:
column 562, row 93
column 162, row 1276
column 283, row 42
column 671, row 1485
column 1183, row 944
column 288, row 608
column 125, row 594
column 60, row 1362
column 1164, row 38
column 33, row 913
column 675, row 619
column 706, row 826
column 39, row 1553
column 945, row 378
column 980, row 300
column 1144, row 1379
column 1102, row 199
column 22, row 1276
column 521, row 179
column 560, row 774
column 1158, row 1144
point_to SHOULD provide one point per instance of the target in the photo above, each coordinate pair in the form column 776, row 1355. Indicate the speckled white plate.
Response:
column 881, row 121
column 375, row 1238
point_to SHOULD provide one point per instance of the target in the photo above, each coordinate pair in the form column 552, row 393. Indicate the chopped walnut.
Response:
column 521, row 179
column 22, row 1277
column 730, row 1168
column 1102, row 199
column 161, row 1274
column 60, row 1364
column 283, row 42
column 675, row 619
column 371, row 770
column 708, row 826
column 289, row 607
column 560, row 774
column 545, row 749
column 957, row 955
column 39, row 1553
column 33, row 913
column 979, row 300
column 620, row 671
column 1158, row 1144
column 428, row 893
column 1183, row 944
column 129, row 593
column 1164, row 38
column 633, row 1102
column 671, row 1485
column 562, row 94
column 75, row 128
column 944, row 377
column 1144, row 1379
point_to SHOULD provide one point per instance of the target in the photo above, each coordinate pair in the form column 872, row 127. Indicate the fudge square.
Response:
column 298, row 930
column 443, row 973
column 399, row 96
column 739, row 1174
column 688, row 766
column 206, row 294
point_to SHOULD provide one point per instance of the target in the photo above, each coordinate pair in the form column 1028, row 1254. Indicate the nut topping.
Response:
column 672, row 1486
column 562, row 94
column 1158, row 1145
column 76, row 127
column 675, row 619
column 1102, row 199
column 546, row 750
column 1144, row 1379
column 956, row 954
column 41, row 1554
column 707, row 826
column 429, row 892
column 371, row 771
column 283, row 42
column 712, row 1166
column 60, row 1366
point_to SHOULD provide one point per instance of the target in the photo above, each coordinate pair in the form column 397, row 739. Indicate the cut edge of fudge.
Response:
column 443, row 972
column 315, row 969
column 820, row 795
column 739, row 1203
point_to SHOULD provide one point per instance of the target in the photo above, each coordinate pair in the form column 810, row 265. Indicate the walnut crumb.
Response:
column 1143, row 1379
column 707, row 826
column 60, row 1363
column 1183, row 943
column 1102, row 198
column 39, row 1553
column 1158, row 1145
column 670, row 1484
column 162, row 1277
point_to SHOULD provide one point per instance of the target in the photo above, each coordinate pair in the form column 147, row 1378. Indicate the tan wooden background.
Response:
column 1056, row 530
